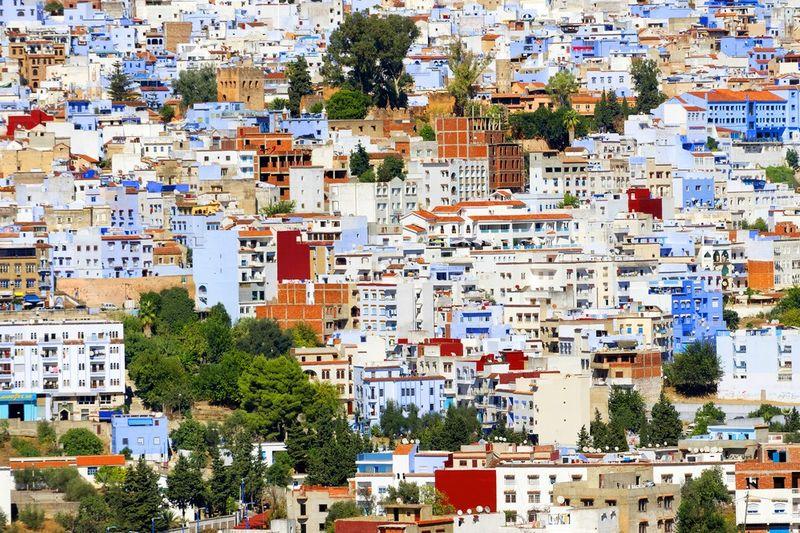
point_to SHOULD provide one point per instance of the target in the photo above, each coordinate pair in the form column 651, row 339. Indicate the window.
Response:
column 643, row 505
column 156, row 440
column 140, row 441
column 511, row 497
column 323, row 508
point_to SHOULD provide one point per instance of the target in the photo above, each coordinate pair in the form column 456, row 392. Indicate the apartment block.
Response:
column 69, row 369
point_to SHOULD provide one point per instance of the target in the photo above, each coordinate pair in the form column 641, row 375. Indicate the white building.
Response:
column 760, row 364
column 60, row 368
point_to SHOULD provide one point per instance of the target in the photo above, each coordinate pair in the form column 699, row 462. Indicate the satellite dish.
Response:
column 479, row 509
column 560, row 500
column 487, row 509
column 399, row 500
column 469, row 511
column 404, row 441
column 460, row 512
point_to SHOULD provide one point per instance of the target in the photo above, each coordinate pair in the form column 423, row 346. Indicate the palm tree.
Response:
column 147, row 314
column 570, row 121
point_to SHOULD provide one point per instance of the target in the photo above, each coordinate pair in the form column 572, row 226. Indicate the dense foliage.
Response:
column 548, row 125
column 696, row 370
column 366, row 53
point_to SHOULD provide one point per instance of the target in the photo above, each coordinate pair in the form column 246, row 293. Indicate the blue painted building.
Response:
column 693, row 190
column 479, row 323
column 21, row 405
column 143, row 435
column 696, row 311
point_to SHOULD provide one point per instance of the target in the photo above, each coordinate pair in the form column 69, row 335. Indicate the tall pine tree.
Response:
column 138, row 500
column 185, row 486
column 299, row 83
column 359, row 161
column 665, row 427
column 119, row 88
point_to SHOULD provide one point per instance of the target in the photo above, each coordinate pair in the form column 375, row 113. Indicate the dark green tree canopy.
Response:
column 359, row 161
column 299, row 83
column 119, row 88
column 696, row 370
column 646, row 81
column 367, row 52
column 346, row 104
column 196, row 85
column 392, row 167
column 81, row 441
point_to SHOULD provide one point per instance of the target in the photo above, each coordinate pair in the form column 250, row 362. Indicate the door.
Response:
column 16, row 410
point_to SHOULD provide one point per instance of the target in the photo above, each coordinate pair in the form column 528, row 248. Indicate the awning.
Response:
column 32, row 299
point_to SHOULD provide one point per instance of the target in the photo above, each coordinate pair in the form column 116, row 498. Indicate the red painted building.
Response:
column 514, row 358
column 641, row 201
column 467, row 489
column 294, row 257
column 26, row 122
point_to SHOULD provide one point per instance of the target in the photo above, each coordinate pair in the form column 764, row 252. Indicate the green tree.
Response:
column 696, row 370
column 119, row 85
column 339, row 510
column 32, row 516
column 149, row 304
column 278, row 104
column 789, row 302
column 273, row 393
column 406, row 491
column 792, row 160
column 460, row 426
column 161, row 382
column 46, row 436
column 392, row 421
column 138, row 499
column 167, row 113
column 110, row 475
column 427, row 133
column 54, row 8
column 185, row 486
column 561, row 86
column 584, row 439
column 281, row 207
column 546, row 124
column 781, row 174
column 646, row 82
column 359, row 161
column 189, row 435
column 81, row 441
column 367, row 52
column 712, row 144
column 219, row 485
column 570, row 200
column 333, row 461
column 731, row 319
column 766, row 411
column 603, row 116
column 219, row 382
column 346, row 104
column 392, row 167
column 304, row 336
column 196, row 85
column 316, row 107
column 466, row 68
column 704, row 505
column 299, row 83
column 706, row 415
column 261, row 337
column 279, row 472
column 176, row 309
column 626, row 407
column 759, row 225
column 664, row 427
column 571, row 120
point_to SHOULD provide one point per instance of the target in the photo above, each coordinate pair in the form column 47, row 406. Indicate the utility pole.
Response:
column 746, row 501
